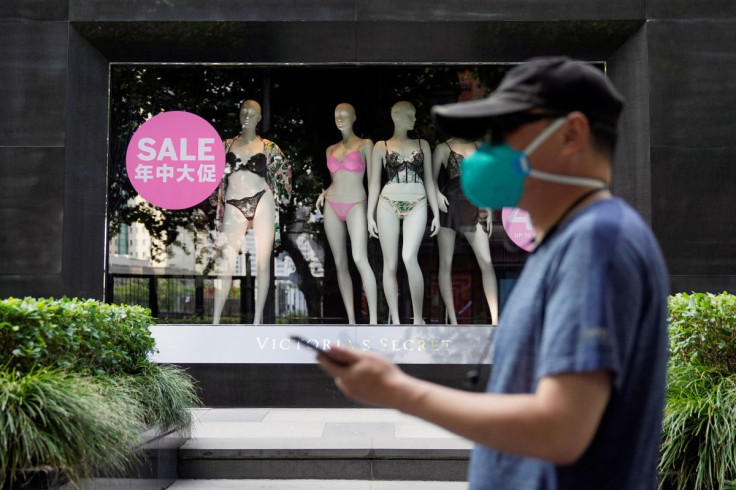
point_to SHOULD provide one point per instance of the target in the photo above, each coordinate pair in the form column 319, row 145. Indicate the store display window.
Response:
column 339, row 201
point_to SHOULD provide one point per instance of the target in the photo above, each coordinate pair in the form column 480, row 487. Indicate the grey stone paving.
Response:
column 381, row 446
column 314, row 485
column 233, row 443
column 352, row 430
column 316, row 429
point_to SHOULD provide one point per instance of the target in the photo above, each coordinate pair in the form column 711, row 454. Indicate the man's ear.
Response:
column 576, row 133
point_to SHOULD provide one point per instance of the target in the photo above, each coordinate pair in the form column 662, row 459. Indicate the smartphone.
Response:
column 303, row 341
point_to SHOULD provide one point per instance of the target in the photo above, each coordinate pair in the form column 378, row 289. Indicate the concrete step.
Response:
column 320, row 444
column 314, row 485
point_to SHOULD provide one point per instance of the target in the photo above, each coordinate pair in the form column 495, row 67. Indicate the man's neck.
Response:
column 557, row 211
column 556, row 203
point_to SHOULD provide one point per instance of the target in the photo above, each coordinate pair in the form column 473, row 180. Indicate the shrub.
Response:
column 53, row 414
column 74, row 423
column 83, row 335
column 699, row 427
column 166, row 393
column 703, row 330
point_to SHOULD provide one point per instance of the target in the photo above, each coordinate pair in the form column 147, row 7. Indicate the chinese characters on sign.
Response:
column 175, row 160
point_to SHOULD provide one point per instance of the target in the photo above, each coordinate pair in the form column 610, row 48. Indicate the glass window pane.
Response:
column 171, row 260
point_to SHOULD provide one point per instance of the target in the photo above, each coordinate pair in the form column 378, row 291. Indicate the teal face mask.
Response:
column 493, row 177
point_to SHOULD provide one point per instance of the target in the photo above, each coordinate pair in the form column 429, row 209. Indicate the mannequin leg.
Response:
column 337, row 238
column 413, row 231
column 234, row 226
column 388, row 235
column 478, row 240
column 446, row 244
column 263, row 232
column 358, row 230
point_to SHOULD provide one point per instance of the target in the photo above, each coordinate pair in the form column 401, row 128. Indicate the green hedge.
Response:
column 703, row 330
column 699, row 427
column 83, row 335
column 77, row 387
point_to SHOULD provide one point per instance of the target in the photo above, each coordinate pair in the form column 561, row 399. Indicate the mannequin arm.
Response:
column 374, row 188
column 430, row 188
column 442, row 202
column 439, row 157
column 320, row 201
column 366, row 151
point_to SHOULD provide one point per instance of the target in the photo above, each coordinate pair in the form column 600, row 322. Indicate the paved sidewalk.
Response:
column 316, row 428
column 370, row 432
column 314, row 485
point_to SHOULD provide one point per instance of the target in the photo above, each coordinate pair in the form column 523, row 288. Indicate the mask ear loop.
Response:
column 568, row 179
column 561, row 179
column 542, row 137
column 523, row 161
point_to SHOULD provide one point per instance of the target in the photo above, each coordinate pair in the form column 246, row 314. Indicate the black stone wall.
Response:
column 673, row 59
column 33, row 79
column 692, row 78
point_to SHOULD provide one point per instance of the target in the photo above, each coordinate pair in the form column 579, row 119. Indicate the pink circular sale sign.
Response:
column 175, row 160
column 518, row 226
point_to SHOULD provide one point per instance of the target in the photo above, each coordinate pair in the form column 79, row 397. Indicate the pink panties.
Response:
column 341, row 209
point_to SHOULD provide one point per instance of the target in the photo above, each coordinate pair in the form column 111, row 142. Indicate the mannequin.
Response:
column 459, row 215
column 256, row 174
column 345, row 211
column 401, row 206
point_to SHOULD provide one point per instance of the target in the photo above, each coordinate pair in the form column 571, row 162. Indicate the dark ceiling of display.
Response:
column 355, row 42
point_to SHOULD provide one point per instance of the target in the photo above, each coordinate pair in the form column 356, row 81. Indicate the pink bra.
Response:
column 352, row 162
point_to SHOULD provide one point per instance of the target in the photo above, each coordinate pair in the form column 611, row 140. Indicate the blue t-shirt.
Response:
column 594, row 296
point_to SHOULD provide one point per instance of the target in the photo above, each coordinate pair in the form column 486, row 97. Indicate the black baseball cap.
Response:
column 558, row 84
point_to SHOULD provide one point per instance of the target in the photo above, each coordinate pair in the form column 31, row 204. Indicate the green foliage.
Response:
column 699, row 446
column 166, row 393
column 49, row 417
column 703, row 330
column 82, row 335
column 699, row 427
column 53, row 414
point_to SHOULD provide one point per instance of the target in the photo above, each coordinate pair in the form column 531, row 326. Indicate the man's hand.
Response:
column 368, row 377
column 556, row 423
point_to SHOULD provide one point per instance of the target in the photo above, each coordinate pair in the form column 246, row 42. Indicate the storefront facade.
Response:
column 65, row 65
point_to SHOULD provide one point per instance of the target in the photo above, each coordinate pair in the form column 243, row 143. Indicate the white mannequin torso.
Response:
column 406, row 148
column 243, row 182
column 347, row 185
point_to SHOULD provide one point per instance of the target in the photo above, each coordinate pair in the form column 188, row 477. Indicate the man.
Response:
column 577, row 387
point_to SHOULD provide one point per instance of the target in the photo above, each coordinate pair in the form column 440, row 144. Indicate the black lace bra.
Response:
column 405, row 170
column 256, row 163
column 453, row 162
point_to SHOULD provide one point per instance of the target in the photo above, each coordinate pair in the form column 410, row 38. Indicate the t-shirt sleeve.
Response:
column 591, row 312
